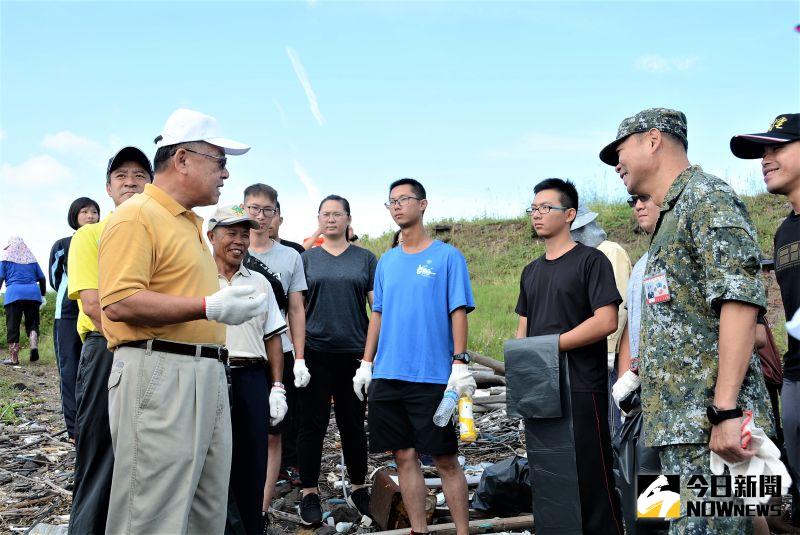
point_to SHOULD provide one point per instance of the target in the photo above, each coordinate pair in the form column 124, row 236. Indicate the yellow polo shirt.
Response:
column 153, row 243
column 82, row 269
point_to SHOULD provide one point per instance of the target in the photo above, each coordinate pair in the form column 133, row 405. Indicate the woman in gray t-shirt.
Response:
column 339, row 277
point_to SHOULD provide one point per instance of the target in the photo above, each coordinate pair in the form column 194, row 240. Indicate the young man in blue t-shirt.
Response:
column 417, row 338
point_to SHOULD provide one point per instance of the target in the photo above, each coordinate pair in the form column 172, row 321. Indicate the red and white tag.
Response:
column 656, row 289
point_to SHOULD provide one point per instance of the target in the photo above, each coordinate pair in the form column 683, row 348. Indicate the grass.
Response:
column 497, row 250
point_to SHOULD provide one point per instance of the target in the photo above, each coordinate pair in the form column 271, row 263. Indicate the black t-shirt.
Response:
column 787, row 271
column 558, row 295
column 336, row 300
column 294, row 245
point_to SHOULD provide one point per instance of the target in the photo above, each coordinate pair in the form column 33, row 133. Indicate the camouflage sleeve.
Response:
column 728, row 250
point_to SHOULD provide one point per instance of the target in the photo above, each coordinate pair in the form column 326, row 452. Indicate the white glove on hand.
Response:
column 44, row 302
column 611, row 358
column 362, row 379
column 234, row 305
column 624, row 386
column 301, row 375
column 767, row 461
column 277, row 405
column 461, row 380
column 793, row 326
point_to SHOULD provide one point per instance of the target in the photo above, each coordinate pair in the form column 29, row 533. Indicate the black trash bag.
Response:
column 632, row 457
column 505, row 489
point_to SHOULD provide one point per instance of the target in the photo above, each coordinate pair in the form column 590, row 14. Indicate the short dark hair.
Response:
column 75, row 208
column 416, row 187
column 345, row 204
column 566, row 189
column 261, row 189
column 277, row 207
column 163, row 155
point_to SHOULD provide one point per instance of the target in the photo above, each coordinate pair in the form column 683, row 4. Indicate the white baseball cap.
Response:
column 185, row 125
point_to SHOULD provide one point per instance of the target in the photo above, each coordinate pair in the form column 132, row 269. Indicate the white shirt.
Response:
column 247, row 339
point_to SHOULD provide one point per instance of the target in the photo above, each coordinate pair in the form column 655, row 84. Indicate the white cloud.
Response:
column 65, row 142
column 536, row 145
column 659, row 63
column 38, row 170
column 300, row 71
column 308, row 182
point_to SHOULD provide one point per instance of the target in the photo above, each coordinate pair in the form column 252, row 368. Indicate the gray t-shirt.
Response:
column 285, row 263
column 635, row 304
column 336, row 315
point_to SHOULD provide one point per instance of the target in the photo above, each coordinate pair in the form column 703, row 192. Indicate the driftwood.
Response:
column 490, row 400
column 490, row 525
column 489, row 362
column 484, row 379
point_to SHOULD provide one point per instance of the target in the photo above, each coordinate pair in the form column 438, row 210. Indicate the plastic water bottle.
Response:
column 444, row 413
column 466, row 423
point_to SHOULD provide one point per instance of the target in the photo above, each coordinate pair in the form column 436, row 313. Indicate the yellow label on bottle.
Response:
column 466, row 423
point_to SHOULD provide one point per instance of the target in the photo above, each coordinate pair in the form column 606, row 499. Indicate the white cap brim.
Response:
column 231, row 147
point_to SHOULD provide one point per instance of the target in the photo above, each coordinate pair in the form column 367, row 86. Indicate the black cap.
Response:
column 129, row 154
column 784, row 129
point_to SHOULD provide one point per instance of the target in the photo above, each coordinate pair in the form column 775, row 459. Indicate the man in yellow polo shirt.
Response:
column 163, row 314
column 128, row 171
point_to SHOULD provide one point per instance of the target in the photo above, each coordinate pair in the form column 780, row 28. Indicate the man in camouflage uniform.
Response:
column 701, row 296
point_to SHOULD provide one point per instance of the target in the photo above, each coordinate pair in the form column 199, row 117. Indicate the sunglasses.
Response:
column 633, row 198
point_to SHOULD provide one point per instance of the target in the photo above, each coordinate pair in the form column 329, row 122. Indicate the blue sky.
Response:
column 478, row 100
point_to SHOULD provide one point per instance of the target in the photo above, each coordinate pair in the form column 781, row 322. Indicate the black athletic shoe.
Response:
column 310, row 509
column 34, row 355
column 359, row 499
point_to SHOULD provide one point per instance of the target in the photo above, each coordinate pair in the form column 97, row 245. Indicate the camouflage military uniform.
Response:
column 706, row 245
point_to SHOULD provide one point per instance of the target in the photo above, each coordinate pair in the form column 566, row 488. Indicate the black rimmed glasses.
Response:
column 402, row 201
column 633, row 198
column 255, row 210
column 222, row 161
column 544, row 209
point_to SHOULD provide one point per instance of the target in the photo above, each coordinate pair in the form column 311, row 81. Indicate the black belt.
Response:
column 246, row 362
column 219, row 353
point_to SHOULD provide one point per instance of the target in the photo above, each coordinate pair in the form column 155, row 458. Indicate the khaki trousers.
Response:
column 171, row 434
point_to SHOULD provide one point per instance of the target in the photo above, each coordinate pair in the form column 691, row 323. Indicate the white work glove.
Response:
column 767, row 461
column 301, row 375
column 461, row 380
column 277, row 405
column 44, row 302
column 624, row 386
column 793, row 326
column 611, row 358
column 362, row 379
column 234, row 305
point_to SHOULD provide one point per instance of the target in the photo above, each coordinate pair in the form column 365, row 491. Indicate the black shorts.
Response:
column 400, row 416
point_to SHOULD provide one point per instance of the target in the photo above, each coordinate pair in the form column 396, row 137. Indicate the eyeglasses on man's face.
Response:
column 402, row 201
column 634, row 198
column 222, row 161
column 544, row 209
column 254, row 210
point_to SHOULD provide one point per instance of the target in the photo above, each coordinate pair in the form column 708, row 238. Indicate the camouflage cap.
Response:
column 662, row 119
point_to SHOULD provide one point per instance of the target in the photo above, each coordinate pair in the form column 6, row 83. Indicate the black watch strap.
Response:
column 717, row 416
column 462, row 356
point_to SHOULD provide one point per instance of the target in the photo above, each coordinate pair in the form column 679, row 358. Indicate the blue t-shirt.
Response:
column 415, row 294
column 22, row 281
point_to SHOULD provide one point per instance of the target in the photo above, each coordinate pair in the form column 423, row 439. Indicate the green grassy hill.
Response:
column 497, row 250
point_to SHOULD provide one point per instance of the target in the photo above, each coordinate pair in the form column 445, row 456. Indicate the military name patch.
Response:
column 656, row 289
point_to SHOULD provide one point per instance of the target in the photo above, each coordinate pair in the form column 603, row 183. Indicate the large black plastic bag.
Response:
column 631, row 456
column 505, row 488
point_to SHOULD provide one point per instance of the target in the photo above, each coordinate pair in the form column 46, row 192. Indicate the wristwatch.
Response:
column 717, row 416
column 462, row 356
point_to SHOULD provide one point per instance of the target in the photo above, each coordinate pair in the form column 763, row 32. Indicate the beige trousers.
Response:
column 171, row 433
